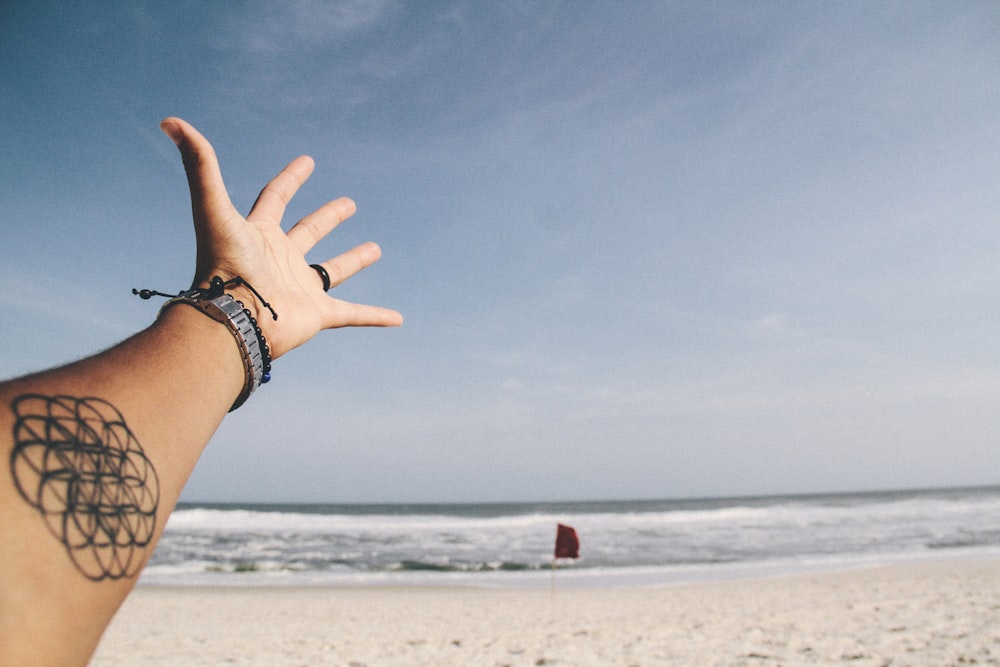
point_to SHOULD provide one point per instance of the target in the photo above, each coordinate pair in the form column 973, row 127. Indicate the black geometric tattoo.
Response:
column 76, row 461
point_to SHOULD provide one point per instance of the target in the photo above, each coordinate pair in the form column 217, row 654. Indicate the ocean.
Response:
column 622, row 543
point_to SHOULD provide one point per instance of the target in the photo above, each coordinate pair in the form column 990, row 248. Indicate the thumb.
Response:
column 208, row 191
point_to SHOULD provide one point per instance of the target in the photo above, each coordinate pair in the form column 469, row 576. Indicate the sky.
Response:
column 643, row 249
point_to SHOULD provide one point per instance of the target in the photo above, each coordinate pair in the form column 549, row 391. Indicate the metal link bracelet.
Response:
column 223, row 308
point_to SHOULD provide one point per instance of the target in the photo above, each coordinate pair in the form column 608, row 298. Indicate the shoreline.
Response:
column 923, row 613
column 567, row 575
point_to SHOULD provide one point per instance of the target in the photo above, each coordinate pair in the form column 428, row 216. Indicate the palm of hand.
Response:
column 258, row 250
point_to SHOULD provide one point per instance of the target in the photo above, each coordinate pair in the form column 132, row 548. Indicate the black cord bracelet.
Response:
column 214, row 302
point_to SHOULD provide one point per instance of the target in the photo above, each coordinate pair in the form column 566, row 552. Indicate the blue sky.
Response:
column 643, row 249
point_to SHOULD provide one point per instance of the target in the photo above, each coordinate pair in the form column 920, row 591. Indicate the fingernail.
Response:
column 171, row 129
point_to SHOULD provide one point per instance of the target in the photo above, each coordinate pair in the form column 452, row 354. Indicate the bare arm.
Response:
column 95, row 454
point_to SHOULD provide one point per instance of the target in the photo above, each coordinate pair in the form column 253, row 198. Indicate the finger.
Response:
column 273, row 199
column 208, row 191
column 344, row 266
column 347, row 314
column 308, row 231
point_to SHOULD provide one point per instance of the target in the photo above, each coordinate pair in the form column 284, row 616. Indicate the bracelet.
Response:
column 243, row 327
column 221, row 307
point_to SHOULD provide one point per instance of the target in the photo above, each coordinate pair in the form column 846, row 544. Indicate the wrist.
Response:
column 206, row 350
column 238, row 320
column 241, row 324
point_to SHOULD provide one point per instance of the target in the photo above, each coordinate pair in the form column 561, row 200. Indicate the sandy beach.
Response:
column 932, row 614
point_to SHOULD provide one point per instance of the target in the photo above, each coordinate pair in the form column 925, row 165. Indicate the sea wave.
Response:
column 289, row 544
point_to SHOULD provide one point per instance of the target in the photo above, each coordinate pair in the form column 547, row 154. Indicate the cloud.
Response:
column 270, row 29
column 312, row 58
column 770, row 325
column 65, row 306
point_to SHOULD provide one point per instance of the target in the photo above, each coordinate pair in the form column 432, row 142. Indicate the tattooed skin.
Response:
column 76, row 461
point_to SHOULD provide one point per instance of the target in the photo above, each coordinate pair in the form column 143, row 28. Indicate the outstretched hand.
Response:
column 274, row 262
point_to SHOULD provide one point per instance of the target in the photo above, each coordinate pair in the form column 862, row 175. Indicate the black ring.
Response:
column 322, row 274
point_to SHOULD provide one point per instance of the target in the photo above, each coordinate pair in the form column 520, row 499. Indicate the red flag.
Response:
column 567, row 543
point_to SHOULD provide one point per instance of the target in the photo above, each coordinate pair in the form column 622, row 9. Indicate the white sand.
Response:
column 933, row 614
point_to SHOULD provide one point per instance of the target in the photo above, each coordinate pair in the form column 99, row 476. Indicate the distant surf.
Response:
column 645, row 542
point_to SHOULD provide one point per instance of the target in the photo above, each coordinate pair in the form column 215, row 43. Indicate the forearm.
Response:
column 97, row 453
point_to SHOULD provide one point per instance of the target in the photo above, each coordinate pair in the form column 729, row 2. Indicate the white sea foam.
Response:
column 647, row 541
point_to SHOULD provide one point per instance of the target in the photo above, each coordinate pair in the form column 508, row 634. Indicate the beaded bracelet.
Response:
column 221, row 307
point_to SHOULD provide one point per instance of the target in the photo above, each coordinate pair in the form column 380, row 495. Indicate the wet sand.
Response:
column 932, row 614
